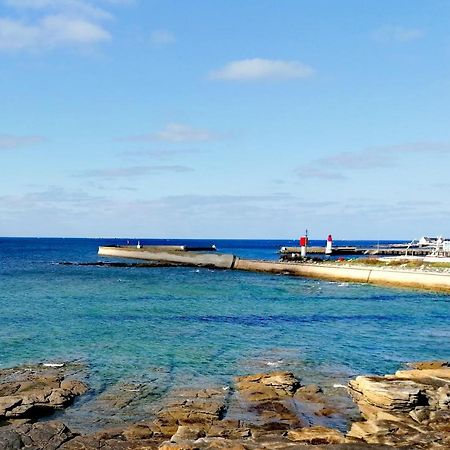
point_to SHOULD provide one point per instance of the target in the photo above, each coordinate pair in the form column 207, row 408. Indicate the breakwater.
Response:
column 171, row 255
column 329, row 271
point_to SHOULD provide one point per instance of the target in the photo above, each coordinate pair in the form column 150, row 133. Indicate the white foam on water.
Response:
column 53, row 364
column 274, row 363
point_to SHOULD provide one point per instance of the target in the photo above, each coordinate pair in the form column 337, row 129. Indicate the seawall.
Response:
column 401, row 278
column 218, row 260
column 328, row 271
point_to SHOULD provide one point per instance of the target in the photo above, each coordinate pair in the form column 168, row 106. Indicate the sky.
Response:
column 225, row 118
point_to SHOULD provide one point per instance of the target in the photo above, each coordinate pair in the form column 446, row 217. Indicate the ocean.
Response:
column 175, row 327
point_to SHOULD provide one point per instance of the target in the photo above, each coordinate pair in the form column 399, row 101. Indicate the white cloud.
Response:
column 69, row 7
column 175, row 133
column 51, row 31
column 262, row 69
column 9, row 142
column 162, row 37
column 397, row 34
column 46, row 24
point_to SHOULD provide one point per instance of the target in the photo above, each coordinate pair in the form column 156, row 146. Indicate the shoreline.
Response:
column 274, row 410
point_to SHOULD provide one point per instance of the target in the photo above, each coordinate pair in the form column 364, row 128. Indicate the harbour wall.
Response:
column 218, row 260
column 401, row 278
column 381, row 276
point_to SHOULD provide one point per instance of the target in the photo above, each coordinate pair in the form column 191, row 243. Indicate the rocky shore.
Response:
column 409, row 409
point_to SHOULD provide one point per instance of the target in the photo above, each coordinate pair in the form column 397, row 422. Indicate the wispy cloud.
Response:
column 9, row 141
column 162, row 37
column 338, row 165
column 46, row 24
column 69, row 7
column 261, row 69
column 160, row 153
column 310, row 171
column 222, row 199
column 397, row 34
column 175, row 133
column 127, row 172
column 49, row 197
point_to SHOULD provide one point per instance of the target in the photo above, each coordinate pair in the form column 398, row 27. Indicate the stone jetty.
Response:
column 424, row 279
column 409, row 410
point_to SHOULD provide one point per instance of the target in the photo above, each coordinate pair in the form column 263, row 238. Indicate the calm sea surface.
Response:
column 187, row 326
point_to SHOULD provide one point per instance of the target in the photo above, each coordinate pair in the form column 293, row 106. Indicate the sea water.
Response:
column 182, row 326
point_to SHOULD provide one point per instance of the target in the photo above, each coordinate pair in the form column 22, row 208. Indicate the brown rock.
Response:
column 267, row 386
column 230, row 429
column 421, row 365
column 433, row 377
column 178, row 446
column 410, row 409
column 202, row 407
column 185, row 433
column 316, row 435
column 39, row 436
column 26, row 392
column 386, row 393
column 326, row 411
column 310, row 389
column 138, row 431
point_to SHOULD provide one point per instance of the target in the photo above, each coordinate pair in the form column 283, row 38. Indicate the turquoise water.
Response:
column 201, row 326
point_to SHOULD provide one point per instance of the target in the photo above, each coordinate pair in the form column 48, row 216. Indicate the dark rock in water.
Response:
column 120, row 264
column 33, row 392
column 38, row 436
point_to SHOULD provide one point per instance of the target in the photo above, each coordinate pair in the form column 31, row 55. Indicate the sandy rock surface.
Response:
column 30, row 392
column 409, row 410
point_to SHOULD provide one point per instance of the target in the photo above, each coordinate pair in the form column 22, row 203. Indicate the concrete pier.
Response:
column 171, row 255
column 430, row 280
column 373, row 275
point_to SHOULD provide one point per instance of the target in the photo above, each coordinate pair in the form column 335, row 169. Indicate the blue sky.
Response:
column 226, row 118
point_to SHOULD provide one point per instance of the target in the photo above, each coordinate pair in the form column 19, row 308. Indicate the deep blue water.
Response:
column 187, row 326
